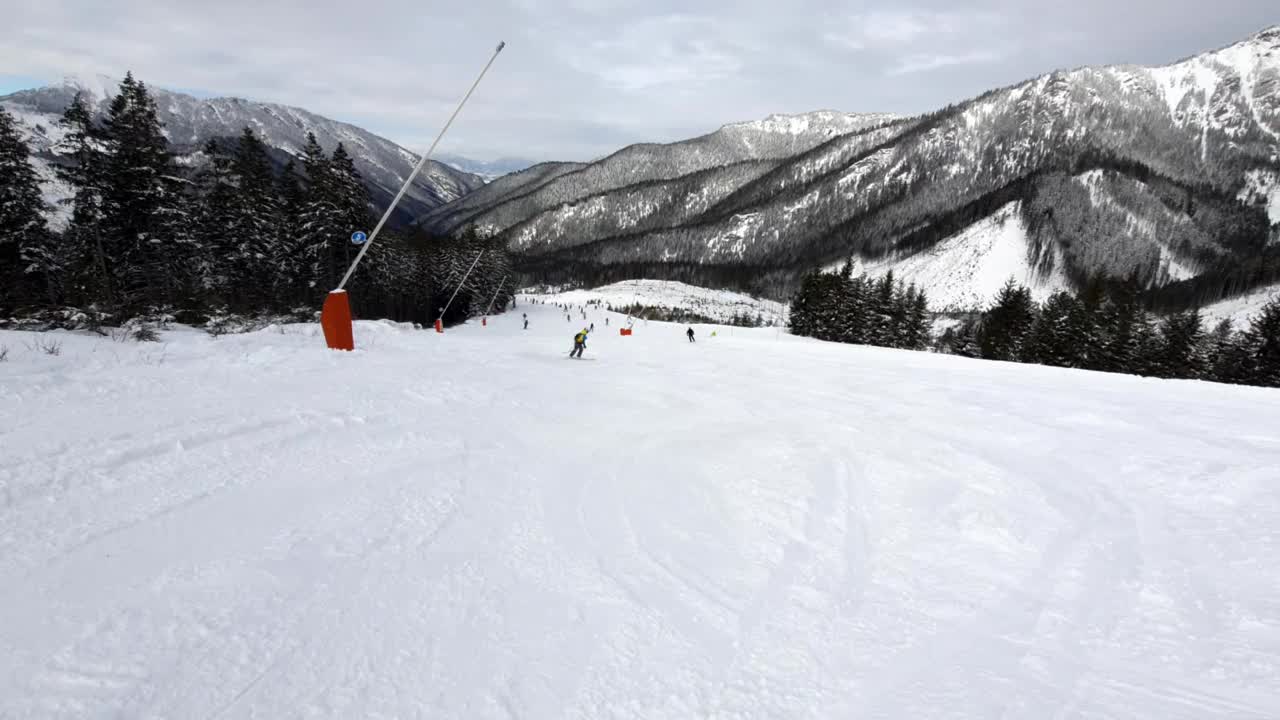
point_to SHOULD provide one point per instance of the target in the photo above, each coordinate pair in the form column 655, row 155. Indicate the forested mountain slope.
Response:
column 1170, row 174
column 190, row 122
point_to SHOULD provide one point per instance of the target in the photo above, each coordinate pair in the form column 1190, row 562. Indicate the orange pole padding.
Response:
column 439, row 325
column 335, row 320
column 484, row 322
column 624, row 331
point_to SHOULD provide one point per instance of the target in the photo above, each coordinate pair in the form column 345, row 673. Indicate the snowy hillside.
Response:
column 966, row 270
column 489, row 170
column 1241, row 308
column 1263, row 188
column 778, row 136
column 190, row 122
column 720, row 305
column 470, row 525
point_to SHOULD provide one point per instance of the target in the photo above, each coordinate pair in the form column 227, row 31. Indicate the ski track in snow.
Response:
column 752, row 526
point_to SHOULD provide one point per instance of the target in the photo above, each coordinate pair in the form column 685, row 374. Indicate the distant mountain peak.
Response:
column 95, row 86
column 1271, row 34
column 832, row 121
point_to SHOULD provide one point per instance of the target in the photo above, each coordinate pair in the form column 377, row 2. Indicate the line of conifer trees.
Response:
column 235, row 234
column 840, row 307
column 1104, row 327
column 1108, row 329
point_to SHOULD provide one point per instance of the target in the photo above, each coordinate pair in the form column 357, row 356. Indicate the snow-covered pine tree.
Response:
column 179, row 252
column 253, row 218
column 1007, row 324
column 803, row 306
column 215, row 191
column 1179, row 353
column 29, row 259
column 850, row 303
column 137, row 197
column 1122, row 331
column 830, row 321
column 1264, row 342
column 1145, row 344
column 1084, row 332
column 1051, row 340
column 88, row 276
column 319, row 222
column 351, row 201
column 918, row 321
column 900, row 309
column 880, row 321
column 471, row 244
column 1230, row 356
column 289, row 284
column 1083, row 338
column 965, row 340
column 495, row 269
column 911, row 318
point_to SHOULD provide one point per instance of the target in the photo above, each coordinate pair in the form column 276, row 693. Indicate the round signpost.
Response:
column 358, row 238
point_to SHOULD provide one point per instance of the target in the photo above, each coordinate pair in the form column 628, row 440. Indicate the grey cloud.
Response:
column 583, row 77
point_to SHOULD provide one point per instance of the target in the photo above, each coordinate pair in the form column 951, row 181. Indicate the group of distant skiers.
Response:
column 580, row 338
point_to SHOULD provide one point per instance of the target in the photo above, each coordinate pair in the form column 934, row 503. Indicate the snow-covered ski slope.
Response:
column 719, row 305
column 471, row 525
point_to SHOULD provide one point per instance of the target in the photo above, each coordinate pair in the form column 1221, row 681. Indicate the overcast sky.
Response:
column 581, row 78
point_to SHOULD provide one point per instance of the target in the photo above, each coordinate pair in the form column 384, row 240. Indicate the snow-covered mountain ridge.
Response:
column 1167, row 173
column 189, row 122
column 549, row 186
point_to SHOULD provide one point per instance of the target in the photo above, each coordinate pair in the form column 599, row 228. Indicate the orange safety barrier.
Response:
column 624, row 331
column 439, row 325
column 335, row 320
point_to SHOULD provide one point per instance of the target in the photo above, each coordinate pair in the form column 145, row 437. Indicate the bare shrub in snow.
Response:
column 48, row 347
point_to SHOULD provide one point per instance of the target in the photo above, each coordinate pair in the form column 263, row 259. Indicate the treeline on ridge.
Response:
column 147, row 237
column 1105, row 327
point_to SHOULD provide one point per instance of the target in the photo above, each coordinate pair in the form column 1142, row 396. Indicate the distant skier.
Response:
column 689, row 332
column 606, row 322
column 579, row 343
column 526, row 320
column 593, row 327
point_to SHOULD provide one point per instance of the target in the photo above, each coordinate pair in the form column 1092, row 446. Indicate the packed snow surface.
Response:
column 471, row 525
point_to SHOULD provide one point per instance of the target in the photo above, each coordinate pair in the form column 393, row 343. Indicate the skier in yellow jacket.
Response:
column 579, row 343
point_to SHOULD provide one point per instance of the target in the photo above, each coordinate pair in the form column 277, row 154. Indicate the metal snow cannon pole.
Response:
column 485, row 319
column 335, row 317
